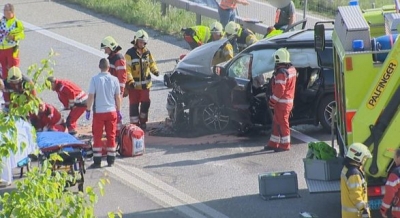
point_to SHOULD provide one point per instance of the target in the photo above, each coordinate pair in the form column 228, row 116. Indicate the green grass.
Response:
column 148, row 12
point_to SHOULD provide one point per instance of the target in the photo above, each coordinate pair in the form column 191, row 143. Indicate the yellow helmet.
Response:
column 140, row 34
column 111, row 43
column 14, row 74
column 358, row 152
column 232, row 28
column 282, row 55
column 216, row 27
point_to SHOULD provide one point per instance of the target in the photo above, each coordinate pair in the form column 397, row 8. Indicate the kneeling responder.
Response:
column 244, row 37
column 48, row 118
column 224, row 53
column 353, row 186
column 139, row 64
column 20, row 85
column 196, row 36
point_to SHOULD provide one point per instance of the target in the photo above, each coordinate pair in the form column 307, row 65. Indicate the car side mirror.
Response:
column 319, row 37
column 219, row 71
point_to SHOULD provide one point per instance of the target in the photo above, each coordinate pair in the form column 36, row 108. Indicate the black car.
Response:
column 235, row 91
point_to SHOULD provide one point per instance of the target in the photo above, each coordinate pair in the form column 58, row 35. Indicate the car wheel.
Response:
column 215, row 118
column 325, row 112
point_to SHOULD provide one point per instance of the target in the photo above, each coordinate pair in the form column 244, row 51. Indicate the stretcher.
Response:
column 70, row 149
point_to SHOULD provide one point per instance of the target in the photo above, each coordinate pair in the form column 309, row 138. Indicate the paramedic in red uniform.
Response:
column 11, row 32
column 17, row 83
column 104, row 98
column 73, row 98
column 117, row 65
column 392, row 190
column 281, row 101
column 139, row 64
column 48, row 118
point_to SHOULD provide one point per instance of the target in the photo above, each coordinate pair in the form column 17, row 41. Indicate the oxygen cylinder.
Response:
column 382, row 43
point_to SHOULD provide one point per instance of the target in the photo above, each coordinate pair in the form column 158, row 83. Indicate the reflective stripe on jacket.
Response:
column 227, row 4
column 283, row 84
column 13, row 27
column 353, row 189
column 69, row 93
column 118, row 69
column 139, row 66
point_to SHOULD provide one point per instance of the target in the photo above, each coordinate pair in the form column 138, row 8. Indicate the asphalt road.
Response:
column 211, row 176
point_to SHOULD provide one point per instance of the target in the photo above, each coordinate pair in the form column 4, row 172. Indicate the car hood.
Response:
column 199, row 60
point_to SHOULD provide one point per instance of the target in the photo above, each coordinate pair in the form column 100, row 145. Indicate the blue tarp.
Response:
column 52, row 139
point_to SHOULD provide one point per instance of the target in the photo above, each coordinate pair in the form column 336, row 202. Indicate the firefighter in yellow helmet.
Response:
column 139, row 64
column 224, row 53
column 17, row 84
column 196, row 36
column 244, row 37
column 353, row 185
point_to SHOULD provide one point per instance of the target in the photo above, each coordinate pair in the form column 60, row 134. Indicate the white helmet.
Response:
column 282, row 55
column 232, row 28
column 110, row 43
column 14, row 74
column 140, row 34
column 216, row 27
column 358, row 152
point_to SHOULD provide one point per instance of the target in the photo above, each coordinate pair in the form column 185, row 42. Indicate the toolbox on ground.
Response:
column 276, row 185
column 323, row 169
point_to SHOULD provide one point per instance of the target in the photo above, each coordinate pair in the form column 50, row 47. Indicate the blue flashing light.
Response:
column 358, row 45
column 353, row 2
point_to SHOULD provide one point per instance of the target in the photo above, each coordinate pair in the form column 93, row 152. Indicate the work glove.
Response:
column 119, row 115
column 156, row 73
column 87, row 114
column 365, row 214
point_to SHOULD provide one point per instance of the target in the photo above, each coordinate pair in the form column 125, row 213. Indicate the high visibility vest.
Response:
column 274, row 33
column 227, row 4
column 202, row 34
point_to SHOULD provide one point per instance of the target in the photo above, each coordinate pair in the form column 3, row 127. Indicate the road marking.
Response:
column 179, row 201
column 302, row 137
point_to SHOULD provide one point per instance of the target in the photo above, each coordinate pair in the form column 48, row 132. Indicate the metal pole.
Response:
column 198, row 19
column 164, row 9
column 305, row 9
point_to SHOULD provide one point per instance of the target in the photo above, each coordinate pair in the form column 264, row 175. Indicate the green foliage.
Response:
column 42, row 194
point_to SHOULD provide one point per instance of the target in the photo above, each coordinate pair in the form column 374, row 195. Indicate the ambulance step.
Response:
column 319, row 186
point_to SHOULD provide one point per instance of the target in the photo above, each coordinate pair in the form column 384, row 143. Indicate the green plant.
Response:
column 42, row 194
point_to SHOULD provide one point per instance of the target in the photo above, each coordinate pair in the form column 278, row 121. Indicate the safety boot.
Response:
column 110, row 160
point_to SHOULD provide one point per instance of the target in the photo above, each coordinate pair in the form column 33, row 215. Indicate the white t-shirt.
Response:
column 104, row 86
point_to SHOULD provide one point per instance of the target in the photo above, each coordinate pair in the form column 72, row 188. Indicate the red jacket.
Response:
column 49, row 118
column 69, row 93
column 392, row 192
column 283, row 85
column 18, row 88
column 118, row 69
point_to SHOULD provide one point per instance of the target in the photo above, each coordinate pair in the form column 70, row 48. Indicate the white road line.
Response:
column 184, row 198
column 300, row 136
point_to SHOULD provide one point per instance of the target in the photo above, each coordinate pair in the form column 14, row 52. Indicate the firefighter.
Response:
column 392, row 190
column 196, row 36
column 17, row 83
column 225, row 53
column 244, row 37
column 281, row 101
column 139, row 64
column 73, row 98
column 117, row 66
column 271, row 32
column 11, row 32
column 48, row 118
column 353, row 186
column 104, row 98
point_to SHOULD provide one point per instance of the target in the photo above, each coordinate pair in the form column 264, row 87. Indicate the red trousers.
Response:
column 8, row 59
column 107, row 121
column 73, row 116
column 280, row 136
column 136, row 97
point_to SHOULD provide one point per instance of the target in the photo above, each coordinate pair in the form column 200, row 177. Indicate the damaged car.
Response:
column 236, row 92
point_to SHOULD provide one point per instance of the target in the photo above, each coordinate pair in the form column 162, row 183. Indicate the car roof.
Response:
column 293, row 39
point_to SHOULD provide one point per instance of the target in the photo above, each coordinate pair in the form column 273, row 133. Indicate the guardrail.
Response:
column 201, row 10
